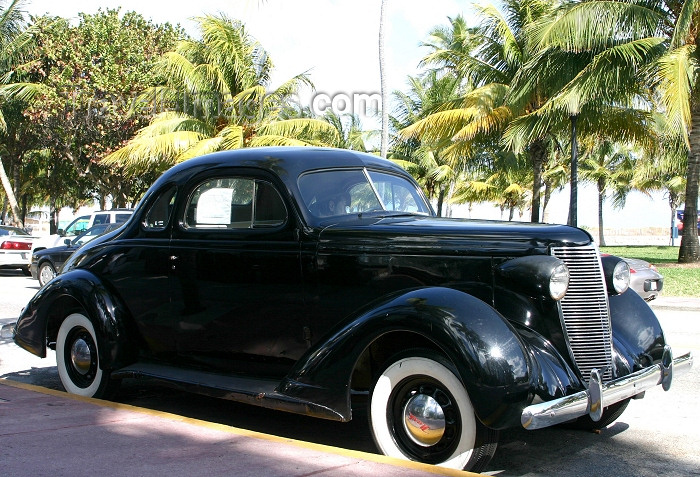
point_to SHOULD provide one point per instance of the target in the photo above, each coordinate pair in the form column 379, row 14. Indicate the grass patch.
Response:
column 679, row 279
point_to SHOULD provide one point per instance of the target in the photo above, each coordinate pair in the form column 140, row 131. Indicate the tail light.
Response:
column 12, row 245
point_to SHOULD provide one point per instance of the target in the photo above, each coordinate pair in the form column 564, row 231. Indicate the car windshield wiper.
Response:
column 385, row 214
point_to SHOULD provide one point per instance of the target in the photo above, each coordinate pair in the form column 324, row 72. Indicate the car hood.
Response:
column 428, row 235
column 55, row 250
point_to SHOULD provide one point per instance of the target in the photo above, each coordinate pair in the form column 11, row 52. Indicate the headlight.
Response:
column 559, row 282
column 617, row 274
column 621, row 276
column 536, row 275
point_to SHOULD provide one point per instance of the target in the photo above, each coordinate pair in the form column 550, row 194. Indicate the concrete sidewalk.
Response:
column 675, row 303
column 50, row 433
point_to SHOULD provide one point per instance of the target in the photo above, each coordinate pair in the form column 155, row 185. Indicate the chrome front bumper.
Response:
column 7, row 331
column 600, row 395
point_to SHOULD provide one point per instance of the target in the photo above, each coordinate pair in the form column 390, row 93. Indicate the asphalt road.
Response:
column 656, row 436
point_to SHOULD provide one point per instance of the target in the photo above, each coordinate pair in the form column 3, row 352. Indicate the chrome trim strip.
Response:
column 549, row 413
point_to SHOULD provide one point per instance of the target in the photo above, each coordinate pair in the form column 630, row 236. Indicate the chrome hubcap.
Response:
column 80, row 356
column 47, row 274
column 424, row 420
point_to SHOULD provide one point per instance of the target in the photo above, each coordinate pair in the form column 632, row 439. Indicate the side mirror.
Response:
column 67, row 242
column 61, row 232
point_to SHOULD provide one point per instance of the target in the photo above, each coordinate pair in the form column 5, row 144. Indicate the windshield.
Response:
column 359, row 191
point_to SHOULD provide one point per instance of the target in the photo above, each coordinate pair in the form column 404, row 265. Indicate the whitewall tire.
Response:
column 77, row 358
column 419, row 410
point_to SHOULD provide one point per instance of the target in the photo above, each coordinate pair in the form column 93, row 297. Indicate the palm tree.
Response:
column 611, row 167
column 219, row 88
column 425, row 158
column 488, row 58
column 637, row 45
column 13, row 39
column 349, row 131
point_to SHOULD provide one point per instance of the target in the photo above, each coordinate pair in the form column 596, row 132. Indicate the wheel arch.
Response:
column 484, row 349
column 78, row 291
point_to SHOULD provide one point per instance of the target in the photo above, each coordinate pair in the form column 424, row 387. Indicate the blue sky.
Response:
column 336, row 41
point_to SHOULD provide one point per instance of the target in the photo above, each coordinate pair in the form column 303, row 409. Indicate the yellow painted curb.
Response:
column 381, row 459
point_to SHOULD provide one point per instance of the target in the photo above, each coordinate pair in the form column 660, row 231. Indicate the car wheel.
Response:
column 46, row 273
column 419, row 410
column 77, row 359
column 26, row 271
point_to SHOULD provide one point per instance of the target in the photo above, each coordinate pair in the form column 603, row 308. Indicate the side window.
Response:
column 158, row 215
column 78, row 227
column 101, row 219
column 235, row 203
column 121, row 218
column 269, row 206
column 396, row 194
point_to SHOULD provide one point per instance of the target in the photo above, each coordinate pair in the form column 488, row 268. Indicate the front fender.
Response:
column 638, row 338
column 486, row 351
column 77, row 290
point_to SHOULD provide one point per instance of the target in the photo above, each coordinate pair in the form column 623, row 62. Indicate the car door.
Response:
column 236, row 282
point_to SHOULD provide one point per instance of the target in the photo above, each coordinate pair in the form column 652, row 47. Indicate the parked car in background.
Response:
column 644, row 278
column 15, row 248
column 680, row 215
column 310, row 280
column 46, row 263
column 80, row 225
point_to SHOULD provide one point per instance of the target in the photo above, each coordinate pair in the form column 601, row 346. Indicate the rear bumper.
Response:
column 600, row 395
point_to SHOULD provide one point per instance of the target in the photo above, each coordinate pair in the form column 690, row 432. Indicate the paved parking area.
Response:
column 51, row 433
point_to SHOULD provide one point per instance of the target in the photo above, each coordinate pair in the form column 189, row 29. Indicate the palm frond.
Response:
column 595, row 26
column 274, row 140
column 153, row 152
column 673, row 76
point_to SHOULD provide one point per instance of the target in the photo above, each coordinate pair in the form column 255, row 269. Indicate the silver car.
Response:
column 644, row 278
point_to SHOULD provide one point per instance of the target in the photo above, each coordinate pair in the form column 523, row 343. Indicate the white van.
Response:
column 80, row 225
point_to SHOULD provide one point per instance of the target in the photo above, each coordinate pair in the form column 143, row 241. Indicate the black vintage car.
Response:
column 300, row 279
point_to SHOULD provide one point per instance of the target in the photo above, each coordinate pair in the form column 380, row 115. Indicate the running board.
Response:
column 255, row 391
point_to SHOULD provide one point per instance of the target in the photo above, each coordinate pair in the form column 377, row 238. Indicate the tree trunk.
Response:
column 53, row 222
column 10, row 196
column 573, row 199
column 382, row 79
column 689, row 250
column 601, row 200
column 547, row 196
column 440, row 201
column 538, row 151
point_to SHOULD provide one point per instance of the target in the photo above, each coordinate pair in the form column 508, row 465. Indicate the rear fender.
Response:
column 485, row 350
column 77, row 291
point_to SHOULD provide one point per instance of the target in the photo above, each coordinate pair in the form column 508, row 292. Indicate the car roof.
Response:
column 284, row 161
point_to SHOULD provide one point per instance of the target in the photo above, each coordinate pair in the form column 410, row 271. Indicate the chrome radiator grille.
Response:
column 585, row 311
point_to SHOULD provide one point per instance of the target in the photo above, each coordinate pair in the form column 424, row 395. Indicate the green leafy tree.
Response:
column 487, row 58
column 80, row 81
column 640, row 44
column 214, row 96
column 610, row 167
column 13, row 42
column 425, row 157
